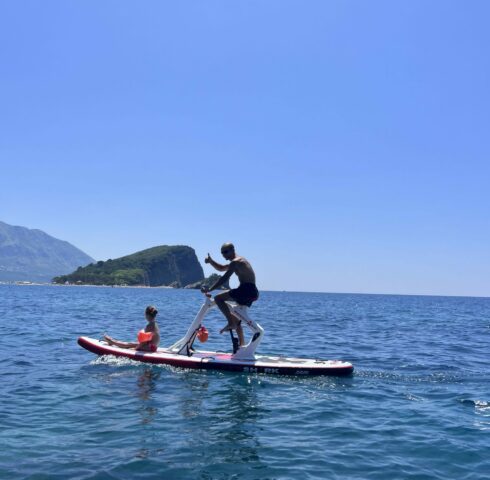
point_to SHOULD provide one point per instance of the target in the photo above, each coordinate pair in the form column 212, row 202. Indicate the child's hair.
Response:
column 151, row 311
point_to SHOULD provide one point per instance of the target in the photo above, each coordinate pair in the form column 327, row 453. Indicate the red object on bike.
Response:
column 202, row 334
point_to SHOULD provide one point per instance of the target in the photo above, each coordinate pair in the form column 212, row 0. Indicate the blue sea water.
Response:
column 417, row 406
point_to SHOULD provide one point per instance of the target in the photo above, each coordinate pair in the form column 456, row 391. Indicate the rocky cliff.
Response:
column 176, row 266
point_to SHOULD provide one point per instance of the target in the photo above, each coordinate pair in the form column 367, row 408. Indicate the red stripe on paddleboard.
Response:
column 98, row 349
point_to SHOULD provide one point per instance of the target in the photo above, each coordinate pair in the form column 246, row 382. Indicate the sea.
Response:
column 416, row 407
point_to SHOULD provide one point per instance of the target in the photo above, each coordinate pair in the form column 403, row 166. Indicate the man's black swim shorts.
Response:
column 245, row 294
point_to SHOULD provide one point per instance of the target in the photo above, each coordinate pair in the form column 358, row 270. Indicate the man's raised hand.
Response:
column 208, row 259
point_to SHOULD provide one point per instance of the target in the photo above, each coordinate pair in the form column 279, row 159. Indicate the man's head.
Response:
column 228, row 251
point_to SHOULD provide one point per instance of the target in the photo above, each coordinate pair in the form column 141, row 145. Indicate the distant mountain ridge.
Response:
column 33, row 255
column 167, row 265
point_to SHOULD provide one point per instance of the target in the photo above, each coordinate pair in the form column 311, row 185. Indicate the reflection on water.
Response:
column 147, row 382
column 236, row 416
column 215, row 409
column 232, row 413
column 194, row 387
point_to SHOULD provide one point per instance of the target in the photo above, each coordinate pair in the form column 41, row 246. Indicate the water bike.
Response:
column 243, row 359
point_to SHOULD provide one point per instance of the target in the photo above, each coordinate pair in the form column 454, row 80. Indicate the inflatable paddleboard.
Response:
column 223, row 361
column 243, row 359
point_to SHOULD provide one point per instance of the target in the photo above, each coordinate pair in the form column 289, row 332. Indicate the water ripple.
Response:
column 417, row 406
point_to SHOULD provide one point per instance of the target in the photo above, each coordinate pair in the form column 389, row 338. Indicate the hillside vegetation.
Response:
column 176, row 266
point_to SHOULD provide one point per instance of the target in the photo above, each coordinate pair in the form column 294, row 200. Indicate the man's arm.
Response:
column 224, row 278
column 216, row 265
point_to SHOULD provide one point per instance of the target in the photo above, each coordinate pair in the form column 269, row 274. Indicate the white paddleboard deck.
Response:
column 224, row 361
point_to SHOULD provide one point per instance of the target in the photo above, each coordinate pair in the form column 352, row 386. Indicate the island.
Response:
column 165, row 265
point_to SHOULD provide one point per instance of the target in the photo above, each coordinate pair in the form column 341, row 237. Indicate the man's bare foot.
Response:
column 108, row 339
column 227, row 328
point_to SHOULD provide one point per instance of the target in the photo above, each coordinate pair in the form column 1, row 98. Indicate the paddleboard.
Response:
column 273, row 365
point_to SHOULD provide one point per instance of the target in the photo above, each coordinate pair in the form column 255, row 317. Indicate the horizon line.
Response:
column 265, row 290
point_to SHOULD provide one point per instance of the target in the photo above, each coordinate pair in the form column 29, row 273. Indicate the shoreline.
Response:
column 40, row 284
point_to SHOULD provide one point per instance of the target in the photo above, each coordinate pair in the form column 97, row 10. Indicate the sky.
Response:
column 343, row 146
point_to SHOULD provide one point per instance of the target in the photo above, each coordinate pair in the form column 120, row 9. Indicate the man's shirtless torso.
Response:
column 243, row 270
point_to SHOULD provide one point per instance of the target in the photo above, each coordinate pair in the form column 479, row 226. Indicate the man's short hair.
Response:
column 228, row 246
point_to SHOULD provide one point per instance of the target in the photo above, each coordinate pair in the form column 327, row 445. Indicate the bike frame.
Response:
column 247, row 352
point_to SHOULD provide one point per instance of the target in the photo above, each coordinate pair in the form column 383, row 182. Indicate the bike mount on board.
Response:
column 247, row 352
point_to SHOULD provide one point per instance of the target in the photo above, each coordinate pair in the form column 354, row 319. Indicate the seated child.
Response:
column 148, row 339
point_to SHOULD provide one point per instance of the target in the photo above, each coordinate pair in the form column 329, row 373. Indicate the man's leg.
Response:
column 239, row 331
column 220, row 300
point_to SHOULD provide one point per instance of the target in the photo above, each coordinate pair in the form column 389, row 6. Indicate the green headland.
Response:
column 175, row 266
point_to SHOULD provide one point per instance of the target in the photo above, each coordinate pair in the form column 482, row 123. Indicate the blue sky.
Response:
column 342, row 145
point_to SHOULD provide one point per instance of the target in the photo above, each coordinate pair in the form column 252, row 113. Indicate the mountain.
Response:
column 33, row 255
column 176, row 266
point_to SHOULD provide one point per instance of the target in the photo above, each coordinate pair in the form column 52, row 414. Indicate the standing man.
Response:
column 245, row 294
